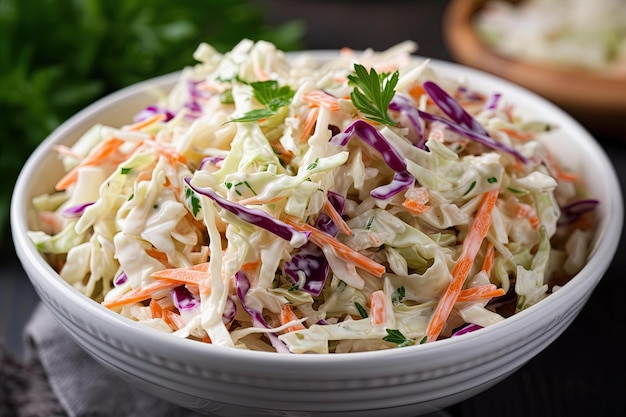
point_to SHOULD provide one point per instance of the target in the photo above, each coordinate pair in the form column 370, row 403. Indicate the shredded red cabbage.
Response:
column 120, row 279
column 574, row 210
column 183, row 299
column 368, row 134
column 242, row 284
column 408, row 111
column 477, row 137
column 453, row 108
column 309, row 259
column 466, row 329
column 76, row 211
column 151, row 111
column 256, row 217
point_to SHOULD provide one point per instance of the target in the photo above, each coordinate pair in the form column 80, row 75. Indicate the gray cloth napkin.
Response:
column 82, row 386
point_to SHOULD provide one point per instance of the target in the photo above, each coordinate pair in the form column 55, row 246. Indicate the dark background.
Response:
column 583, row 373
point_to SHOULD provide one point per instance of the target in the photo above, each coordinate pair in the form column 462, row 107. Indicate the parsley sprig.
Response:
column 269, row 94
column 396, row 336
column 373, row 93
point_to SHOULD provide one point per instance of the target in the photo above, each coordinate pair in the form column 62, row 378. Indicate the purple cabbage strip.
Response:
column 470, row 134
column 466, row 329
column 452, row 108
column 574, row 210
column 229, row 310
column 462, row 122
column 310, row 259
column 242, row 284
column 183, row 299
column 368, row 134
column 76, row 211
column 407, row 109
column 253, row 216
column 120, row 279
column 151, row 111
column 213, row 160
column 492, row 101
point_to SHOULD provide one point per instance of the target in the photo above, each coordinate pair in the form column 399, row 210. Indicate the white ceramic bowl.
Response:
column 228, row 382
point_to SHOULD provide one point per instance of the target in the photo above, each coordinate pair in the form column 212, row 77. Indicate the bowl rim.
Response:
column 587, row 277
column 572, row 88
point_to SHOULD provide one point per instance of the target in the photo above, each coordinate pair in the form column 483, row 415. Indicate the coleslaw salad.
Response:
column 282, row 204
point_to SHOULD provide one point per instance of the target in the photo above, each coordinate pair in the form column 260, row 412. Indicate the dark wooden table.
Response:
column 582, row 373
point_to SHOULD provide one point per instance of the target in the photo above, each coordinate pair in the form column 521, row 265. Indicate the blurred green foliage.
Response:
column 57, row 56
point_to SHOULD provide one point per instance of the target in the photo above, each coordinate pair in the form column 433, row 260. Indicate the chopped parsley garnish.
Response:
column 269, row 94
column 126, row 171
column 471, row 187
column 361, row 309
column 373, row 93
column 193, row 201
column 313, row 164
column 492, row 180
column 396, row 336
column 398, row 295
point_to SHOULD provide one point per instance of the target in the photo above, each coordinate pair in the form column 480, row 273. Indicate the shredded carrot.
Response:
column 416, row 199
column 194, row 276
column 170, row 154
column 138, row 295
column 173, row 319
column 317, row 98
column 309, row 123
column 155, row 309
column 417, row 91
column 207, row 339
column 378, row 301
column 159, row 256
column 415, row 207
column 337, row 219
column 481, row 292
column 145, row 123
column 558, row 172
column 261, row 74
column 343, row 251
column 287, row 315
column 475, row 236
column 490, row 256
column 251, row 266
column 516, row 134
column 97, row 156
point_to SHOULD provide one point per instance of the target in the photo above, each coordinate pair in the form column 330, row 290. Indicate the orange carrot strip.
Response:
column 287, row 315
column 309, row 123
column 378, row 301
column 343, row 251
column 517, row 134
column 141, row 294
column 415, row 207
column 480, row 293
column 159, row 256
column 490, row 256
column 145, row 123
column 155, row 309
column 96, row 157
column 317, row 98
column 174, row 320
column 337, row 219
column 475, row 236
column 181, row 275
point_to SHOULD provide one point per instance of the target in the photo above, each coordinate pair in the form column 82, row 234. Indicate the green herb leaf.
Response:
column 373, row 93
column 271, row 95
column 361, row 309
column 396, row 336
column 398, row 295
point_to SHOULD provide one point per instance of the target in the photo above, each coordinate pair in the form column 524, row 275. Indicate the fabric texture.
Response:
column 58, row 379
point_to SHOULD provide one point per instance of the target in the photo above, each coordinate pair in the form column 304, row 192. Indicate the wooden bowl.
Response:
column 596, row 100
